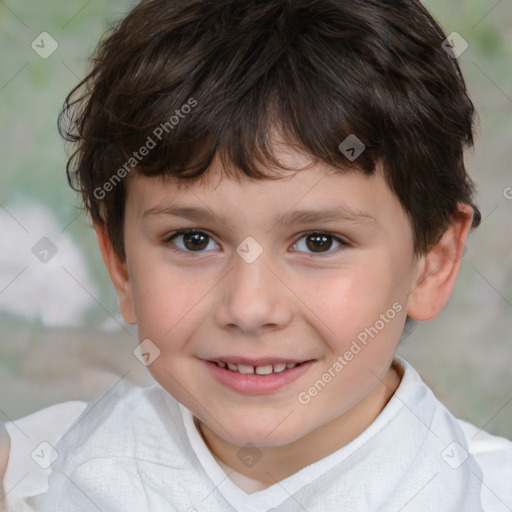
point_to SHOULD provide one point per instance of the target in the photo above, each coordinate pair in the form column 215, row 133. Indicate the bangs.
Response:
column 239, row 116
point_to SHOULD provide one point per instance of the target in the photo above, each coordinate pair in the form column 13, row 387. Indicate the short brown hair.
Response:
column 318, row 70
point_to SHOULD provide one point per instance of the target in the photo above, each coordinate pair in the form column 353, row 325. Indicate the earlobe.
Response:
column 438, row 269
column 118, row 273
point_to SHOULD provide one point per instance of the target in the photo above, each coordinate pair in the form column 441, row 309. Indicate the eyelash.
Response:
column 168, row 239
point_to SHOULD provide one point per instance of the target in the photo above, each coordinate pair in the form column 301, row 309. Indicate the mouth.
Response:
column 261, row 369
column 257, row 378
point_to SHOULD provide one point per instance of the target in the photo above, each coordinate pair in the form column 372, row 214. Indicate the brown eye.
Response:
column 192, row 241
column 318, row 242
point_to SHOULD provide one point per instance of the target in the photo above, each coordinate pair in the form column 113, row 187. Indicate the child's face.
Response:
column 303, row 298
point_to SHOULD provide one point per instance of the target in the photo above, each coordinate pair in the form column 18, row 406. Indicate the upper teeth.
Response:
column 260, row 370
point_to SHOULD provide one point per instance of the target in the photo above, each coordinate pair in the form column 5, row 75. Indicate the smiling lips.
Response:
column 259, row 369
column 261, row 376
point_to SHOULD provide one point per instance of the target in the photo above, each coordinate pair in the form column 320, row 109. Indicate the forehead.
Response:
column 310, row 192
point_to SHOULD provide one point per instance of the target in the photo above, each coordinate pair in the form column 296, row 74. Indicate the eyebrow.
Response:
column 339, row 213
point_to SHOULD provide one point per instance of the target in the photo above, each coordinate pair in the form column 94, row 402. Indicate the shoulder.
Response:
column 494, row 455
column 116, row 443
column 486, row 458
column 31, row 446
column 28, row 447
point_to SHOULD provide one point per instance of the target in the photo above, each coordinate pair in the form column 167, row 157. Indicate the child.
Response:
column 277, row 188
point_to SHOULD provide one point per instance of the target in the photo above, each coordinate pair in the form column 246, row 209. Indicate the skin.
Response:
column 291, row 302
column 4, row 459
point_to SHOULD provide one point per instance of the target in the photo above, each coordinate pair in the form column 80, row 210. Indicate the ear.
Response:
column 438, row 269
column 117, row 270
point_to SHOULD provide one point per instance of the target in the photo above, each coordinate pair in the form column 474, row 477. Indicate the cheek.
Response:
column 170, row 305
column 362, row 315
column 167, row 299
column 350, row 299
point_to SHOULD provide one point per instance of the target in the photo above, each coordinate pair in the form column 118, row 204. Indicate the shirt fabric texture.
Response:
column 137, row 449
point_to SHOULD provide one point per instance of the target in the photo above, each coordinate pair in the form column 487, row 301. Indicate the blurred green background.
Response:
column 62, row 336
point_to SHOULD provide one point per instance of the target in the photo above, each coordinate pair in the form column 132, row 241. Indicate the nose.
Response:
column 254, row 298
